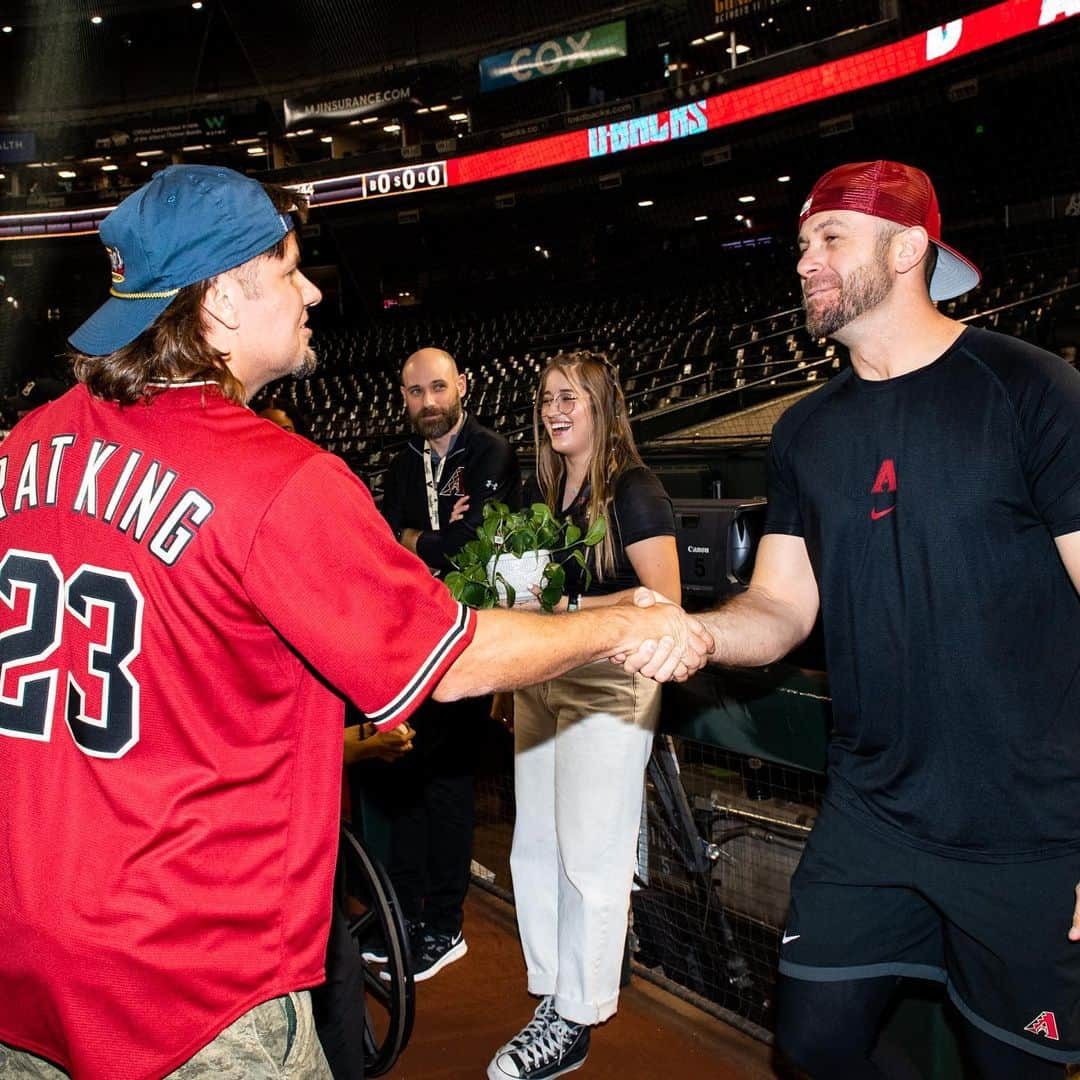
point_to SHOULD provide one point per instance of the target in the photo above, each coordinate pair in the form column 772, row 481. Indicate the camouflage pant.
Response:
column 274, row 1041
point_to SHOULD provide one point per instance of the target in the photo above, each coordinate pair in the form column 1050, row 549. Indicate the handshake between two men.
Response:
column 510, row 649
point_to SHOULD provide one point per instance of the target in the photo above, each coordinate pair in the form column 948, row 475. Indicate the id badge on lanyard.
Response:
column 433, row 476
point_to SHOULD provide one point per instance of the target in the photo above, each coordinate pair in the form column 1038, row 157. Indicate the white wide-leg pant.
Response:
column 581, row 745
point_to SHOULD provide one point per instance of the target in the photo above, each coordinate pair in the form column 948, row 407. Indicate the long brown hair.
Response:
column 174, row 347
column 613, row 450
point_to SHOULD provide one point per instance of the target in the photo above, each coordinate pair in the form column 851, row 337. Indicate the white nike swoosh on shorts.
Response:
column 789, row 937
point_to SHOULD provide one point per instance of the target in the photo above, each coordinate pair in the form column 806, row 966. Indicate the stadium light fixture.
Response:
column 149, row 153
column 109, row 167
column 422, row 110
column 439, row 108
column 738, row 50
column 67, row 174
column 326, row 138
column 8, row 29
column 701, row 217
column 392, row 129
column 96, row 20
column 369, row 120
column 257, row 151
column 783, row 179
column 740, row 217
column 747, row 198
column 196, row 5
column 644, row 203
column 458, row 117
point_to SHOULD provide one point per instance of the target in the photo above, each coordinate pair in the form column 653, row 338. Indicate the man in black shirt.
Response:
column 927, row 500
column 435, row 492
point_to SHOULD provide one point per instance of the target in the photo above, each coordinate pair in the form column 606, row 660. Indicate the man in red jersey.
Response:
column 187, row 594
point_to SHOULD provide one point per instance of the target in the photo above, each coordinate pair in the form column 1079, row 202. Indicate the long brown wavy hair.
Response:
column 174, row 347
column 613, row 450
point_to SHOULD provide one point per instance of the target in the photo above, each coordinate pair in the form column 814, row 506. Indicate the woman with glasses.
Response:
column 582, row 741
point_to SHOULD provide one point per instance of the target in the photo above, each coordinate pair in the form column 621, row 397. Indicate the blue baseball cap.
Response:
column 190, row 223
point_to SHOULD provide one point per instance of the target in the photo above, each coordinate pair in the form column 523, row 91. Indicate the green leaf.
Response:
column 511, row 593
column 554, row 576
column 520, row 542
column 580, row 558
column 596, row 532
column 550, row 596
column 483, row 551
column 573, row 534
column 548, row 536
column 455, row 582
column 478, row 595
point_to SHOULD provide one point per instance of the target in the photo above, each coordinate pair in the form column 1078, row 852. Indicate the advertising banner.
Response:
column 348, row 105
column 166, row 132
column 556, row 55
column 16, row 146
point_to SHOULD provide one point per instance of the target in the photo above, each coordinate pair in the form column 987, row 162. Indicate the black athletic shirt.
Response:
column 929, row 504
column 640, row 509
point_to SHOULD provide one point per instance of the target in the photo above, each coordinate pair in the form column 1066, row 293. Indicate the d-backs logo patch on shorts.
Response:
column 1044, row 1024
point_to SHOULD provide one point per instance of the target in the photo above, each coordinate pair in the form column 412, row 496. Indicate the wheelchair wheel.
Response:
column 375, row 917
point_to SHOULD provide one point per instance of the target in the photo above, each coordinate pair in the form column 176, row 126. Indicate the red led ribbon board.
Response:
column 920, row 52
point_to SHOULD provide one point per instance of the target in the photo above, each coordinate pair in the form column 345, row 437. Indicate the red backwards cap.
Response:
column 898, row 193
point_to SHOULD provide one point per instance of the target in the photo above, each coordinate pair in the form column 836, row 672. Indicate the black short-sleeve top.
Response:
column 640, row 509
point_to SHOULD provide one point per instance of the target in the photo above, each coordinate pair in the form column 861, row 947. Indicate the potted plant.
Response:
column 514, row 549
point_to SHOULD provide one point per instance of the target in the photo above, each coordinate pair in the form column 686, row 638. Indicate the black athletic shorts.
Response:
column 866, row 903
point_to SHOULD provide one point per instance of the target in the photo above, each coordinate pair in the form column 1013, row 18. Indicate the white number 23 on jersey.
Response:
column 27, row 702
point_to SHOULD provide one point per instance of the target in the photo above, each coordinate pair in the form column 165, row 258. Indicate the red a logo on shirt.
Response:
column 1044, row 1024
column 886, row 478
column 885, row 490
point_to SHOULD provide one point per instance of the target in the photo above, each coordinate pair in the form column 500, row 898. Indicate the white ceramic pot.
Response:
column 521, row 571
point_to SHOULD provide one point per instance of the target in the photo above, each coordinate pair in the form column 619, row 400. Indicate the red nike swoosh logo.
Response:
column 876, row 514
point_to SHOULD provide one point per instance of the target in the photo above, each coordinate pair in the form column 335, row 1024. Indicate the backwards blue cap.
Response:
column 188, row 224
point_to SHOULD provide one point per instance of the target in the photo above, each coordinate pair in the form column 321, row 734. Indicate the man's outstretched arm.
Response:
column 511, row 649
column 776, row 612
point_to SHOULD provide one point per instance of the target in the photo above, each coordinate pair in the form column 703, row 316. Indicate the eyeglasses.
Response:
column 564, row 402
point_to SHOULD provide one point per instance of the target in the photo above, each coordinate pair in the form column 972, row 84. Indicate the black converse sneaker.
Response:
column 557, row 1047
column 544, row 1014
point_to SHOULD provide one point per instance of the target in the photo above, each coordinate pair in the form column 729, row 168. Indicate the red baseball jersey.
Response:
column 186, row 591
